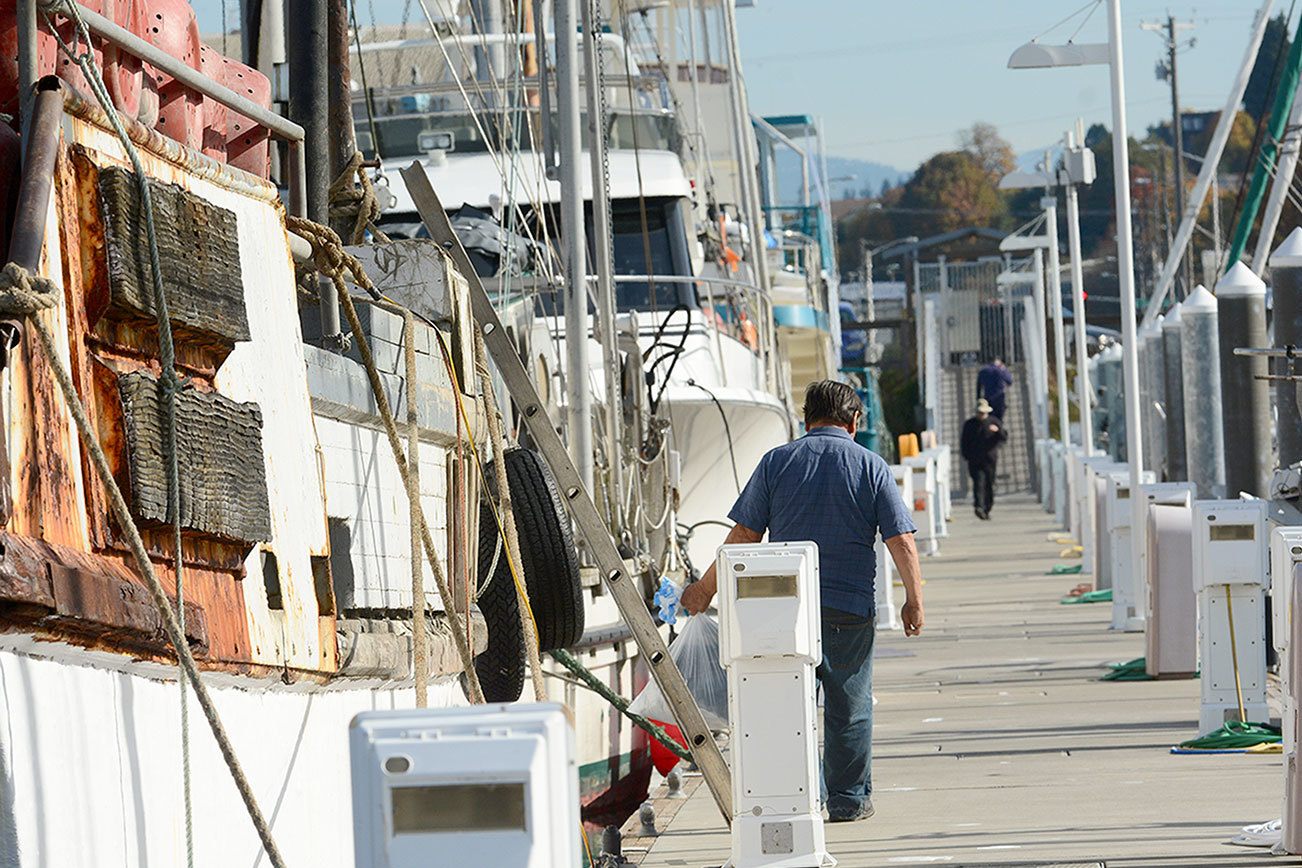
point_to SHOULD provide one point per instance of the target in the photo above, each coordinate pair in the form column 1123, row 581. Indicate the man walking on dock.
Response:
column 992, row 384
column 983, row 434
column 827, row 488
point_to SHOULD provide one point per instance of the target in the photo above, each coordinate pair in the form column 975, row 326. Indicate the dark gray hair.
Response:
column 830, row 401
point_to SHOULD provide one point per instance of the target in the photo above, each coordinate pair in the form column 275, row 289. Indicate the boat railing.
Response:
column 734, row 308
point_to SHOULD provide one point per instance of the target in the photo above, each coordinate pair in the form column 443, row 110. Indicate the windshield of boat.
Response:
column 411, row 126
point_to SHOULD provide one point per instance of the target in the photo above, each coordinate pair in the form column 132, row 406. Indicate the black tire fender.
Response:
column 501, row 665
column 547, row 550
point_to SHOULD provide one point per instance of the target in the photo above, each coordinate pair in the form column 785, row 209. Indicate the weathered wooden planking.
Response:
column 198, row 252
column 93, row 597
column 266, row 369
column 219, row 449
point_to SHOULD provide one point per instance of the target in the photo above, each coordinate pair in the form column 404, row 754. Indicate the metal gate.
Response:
column 976, row 318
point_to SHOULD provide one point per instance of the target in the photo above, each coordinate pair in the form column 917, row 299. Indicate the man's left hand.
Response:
column 696, row 597
column 911, row 615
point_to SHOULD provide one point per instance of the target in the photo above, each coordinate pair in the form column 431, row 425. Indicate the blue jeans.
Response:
column 846, row 676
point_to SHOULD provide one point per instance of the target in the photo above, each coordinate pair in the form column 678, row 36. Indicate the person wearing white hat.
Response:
column 983, row 434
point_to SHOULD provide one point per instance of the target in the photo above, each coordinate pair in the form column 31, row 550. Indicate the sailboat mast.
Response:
column 578, row 396
column 747, row 158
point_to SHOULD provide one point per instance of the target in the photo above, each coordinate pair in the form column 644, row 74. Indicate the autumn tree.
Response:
column 991, row 150
column 953, row 190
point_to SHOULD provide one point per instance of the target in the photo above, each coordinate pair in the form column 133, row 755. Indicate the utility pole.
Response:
column 1167, row 70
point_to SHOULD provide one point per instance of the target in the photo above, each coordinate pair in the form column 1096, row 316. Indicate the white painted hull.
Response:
column 90, row 758
column 90, row 764
column 757, row 423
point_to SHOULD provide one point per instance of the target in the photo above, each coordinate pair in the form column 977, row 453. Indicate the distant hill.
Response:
column 868, row 176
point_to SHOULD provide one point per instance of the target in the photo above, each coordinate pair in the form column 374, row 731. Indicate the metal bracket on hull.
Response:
column 579, row 501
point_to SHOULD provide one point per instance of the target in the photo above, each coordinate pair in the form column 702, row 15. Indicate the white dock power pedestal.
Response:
column 924, row 502
column 770, row 641
column 484, row 785
column 1285, row 563
column 1229, row 574
column 1292, row 837
column 1127, row 609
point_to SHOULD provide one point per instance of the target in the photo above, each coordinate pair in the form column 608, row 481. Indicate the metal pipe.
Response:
column 1200, row 355
column 297, row 179
column 309, row 106
column 550, row 168
column 1285, row 168
column 309, row 102
column 1211, row 160
column 340, row 101
column 1126, row 272
column 489, row 55
column 27, row 63
column 601, row 242
column 1286, row 275
column 1040, row 347
column 1084, row 394
column 1177, row 468
column 695, row 81
column 747, row 156
column 37, row 182
column 1245, row 420
column 574, row 239
column 1050, row 204
column 193, row 79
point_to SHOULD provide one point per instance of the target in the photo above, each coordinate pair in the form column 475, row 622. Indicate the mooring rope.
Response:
column 23, row 294
column 358, row 203
column 620, row 703
column 169, row 385
column 333, row 262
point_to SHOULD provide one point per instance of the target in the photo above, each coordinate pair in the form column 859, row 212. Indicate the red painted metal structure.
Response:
column 145, row 94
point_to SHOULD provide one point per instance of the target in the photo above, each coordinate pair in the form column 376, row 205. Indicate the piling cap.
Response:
column 1200, row 301
column 1288, row 254
column 1172, row 319
column 1240, row 282
column 1150, row 330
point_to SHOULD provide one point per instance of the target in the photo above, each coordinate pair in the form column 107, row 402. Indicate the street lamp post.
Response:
column 1041, row 244
column 1079, row 170
column 1035, row 55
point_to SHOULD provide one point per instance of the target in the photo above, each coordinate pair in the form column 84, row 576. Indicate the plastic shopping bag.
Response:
column 696, row 651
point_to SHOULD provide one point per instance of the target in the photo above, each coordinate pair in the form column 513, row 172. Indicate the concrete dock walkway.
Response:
column 996, row 744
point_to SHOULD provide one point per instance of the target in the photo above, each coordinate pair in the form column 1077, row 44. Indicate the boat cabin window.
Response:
column 657, row 245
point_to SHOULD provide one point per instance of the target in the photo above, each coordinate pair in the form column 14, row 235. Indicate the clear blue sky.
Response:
column 895, row 80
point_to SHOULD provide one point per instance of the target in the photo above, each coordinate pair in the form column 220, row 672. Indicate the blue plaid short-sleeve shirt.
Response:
column 827, row 488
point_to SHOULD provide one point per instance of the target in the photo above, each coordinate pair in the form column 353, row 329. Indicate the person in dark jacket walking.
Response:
column 983, row 434
column 992, row 383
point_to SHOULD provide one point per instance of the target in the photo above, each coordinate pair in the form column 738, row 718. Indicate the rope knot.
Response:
column 359, row 203
column 23, row 294
column 329, row 255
